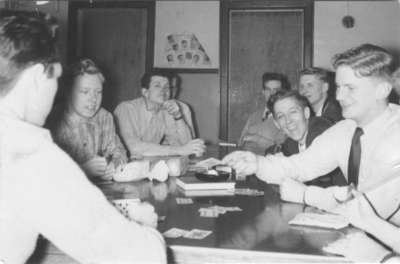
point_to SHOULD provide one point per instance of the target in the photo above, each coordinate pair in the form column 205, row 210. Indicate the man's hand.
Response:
column 292, row 190
column 143, row 213
column 359, row 212
column 244, row 162
column 195, row 146
column 173, row 108
column 358, row 247
column 110, row 171
column 95, row 167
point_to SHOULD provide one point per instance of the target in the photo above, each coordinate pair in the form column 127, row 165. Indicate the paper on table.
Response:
column 320, row 220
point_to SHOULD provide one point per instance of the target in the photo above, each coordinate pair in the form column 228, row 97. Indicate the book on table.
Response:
column 191, row 182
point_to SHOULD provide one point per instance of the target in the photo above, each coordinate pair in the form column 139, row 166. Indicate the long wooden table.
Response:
column 259, row 233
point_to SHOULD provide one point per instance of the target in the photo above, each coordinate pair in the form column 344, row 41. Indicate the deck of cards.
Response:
column 192, row 234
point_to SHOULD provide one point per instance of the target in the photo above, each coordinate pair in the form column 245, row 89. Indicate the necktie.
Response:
column 354, row 158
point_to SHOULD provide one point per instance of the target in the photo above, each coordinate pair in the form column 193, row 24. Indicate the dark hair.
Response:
column 146, row 78
column 322, row 74
column 273, row 76
column 282, row 94
column 26, row 38
column 366, row 60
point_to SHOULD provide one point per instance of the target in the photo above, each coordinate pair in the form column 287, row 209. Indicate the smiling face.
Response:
column 271, row 87
column 357, row 95
column 158, row 91
column 86, row 95
column 292, row 118
column 313, row 88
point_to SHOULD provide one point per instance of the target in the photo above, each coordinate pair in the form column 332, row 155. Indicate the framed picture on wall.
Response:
column 187, row 35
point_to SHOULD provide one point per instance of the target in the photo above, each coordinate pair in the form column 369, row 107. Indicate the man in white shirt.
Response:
column 363, row 80
column 42, row 191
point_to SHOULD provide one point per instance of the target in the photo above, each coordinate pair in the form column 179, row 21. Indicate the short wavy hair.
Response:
column 283, row 94
column 274, row 76
column 26, row 38
column 322, row 74
column 366, row 60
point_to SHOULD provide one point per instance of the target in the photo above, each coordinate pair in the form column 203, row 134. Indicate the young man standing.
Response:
column 365, row 145
column 260, row 132
column 42, row 191
column 314, row 85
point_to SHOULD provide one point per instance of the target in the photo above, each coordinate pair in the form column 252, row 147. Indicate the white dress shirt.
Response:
column 380, row 155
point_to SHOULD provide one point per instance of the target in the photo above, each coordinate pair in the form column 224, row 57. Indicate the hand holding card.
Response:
column 143, row 213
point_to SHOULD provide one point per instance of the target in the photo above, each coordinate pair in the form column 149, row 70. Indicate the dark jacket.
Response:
column 331, row 110
column 316, row 126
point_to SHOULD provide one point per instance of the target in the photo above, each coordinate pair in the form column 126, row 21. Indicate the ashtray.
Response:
column 213, row 175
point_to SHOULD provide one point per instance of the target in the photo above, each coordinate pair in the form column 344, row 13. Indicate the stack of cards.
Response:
column 248, row 192
column 215, row 211
column 192, row 234
column 180, row 200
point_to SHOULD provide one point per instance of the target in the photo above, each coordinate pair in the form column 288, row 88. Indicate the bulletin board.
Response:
column 187, row 35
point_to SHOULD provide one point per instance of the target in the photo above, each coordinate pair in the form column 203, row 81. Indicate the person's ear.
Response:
column 276, row 123
column 145, row 92
column 325, row 87
column 307, row 112
column 383, row 90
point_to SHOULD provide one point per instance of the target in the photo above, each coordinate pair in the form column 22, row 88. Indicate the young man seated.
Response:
column 154, row 124
column 260, row 131
column 42, row 190
column 85, row 130
column 292, row 115
column 314, row 85
column 365, row 145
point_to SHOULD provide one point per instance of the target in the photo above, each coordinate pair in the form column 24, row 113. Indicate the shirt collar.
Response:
column 74, row 119
column 378, row 123
column 154, row 108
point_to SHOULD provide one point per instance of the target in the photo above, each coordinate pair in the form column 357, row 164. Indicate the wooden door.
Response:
column 258, row 37
column 118, row 37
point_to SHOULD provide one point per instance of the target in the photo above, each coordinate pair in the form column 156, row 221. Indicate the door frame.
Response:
column 75, row 5
column 307, row 7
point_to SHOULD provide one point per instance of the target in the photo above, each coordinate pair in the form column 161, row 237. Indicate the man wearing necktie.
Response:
column 365, row 146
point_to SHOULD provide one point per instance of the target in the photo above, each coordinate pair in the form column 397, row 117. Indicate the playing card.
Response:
column 123, row 204
column 197, row 234
column 180, row 200
column 175, row 232
column 206, row 212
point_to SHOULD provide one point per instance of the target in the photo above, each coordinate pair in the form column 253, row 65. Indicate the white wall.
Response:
column 376, row 22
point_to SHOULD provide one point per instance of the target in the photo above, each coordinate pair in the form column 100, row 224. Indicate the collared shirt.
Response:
column 42, row 191
column 84, row 139
column 380, row 155
column 139, row 125
column 261, row 127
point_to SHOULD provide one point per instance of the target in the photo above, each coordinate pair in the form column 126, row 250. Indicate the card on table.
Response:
column 180, row 200
column 197, row 234
column 175, row 232
column 123, row 204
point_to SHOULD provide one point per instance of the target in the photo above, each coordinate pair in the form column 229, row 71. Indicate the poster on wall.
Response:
column 187, row 35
